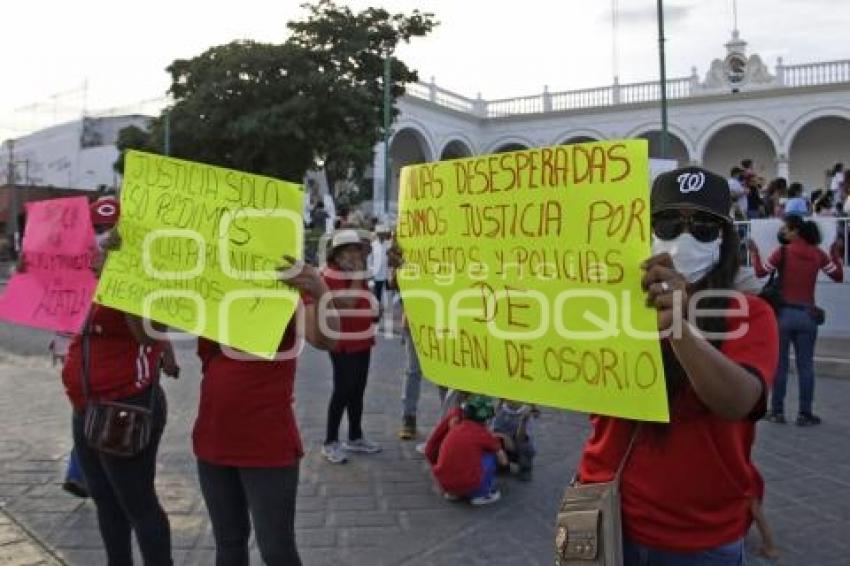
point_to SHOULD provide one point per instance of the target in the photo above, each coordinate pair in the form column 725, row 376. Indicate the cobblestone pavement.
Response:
column 20, row 548
column 382, row 509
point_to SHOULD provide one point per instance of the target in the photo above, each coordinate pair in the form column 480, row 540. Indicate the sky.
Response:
column 50, row 49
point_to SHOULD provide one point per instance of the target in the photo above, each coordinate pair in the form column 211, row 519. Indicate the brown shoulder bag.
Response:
column 117, row 429
column 589, row 530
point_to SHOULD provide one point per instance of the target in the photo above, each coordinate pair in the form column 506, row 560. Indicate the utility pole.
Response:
column 665, row 138
column 12, row 213
column 166, row 134
column 387, row 117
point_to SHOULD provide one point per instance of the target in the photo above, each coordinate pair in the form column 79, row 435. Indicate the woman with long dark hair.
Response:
column 688, row 487
column 799, row 260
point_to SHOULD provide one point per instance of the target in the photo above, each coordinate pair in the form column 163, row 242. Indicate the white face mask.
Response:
column 692, row 258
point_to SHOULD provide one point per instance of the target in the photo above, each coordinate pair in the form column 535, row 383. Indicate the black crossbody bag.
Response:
column 117, row 429
column 772, row 290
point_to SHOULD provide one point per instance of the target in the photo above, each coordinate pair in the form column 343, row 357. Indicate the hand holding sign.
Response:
column 666, row 290
column 302, row 276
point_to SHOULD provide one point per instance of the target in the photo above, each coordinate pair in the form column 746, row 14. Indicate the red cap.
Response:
column 105, row 212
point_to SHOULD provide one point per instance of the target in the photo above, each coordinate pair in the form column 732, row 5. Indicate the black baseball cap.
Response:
column 691, row 187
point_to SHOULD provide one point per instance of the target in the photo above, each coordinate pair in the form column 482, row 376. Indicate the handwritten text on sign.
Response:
column 55, row 290
column 200, row 245
column 521, row 277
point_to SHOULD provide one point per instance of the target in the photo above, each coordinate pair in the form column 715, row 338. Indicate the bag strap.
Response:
column 618, row 476
column 86, row 353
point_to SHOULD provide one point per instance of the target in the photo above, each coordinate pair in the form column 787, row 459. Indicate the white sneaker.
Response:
column 492, row 497
column 334, row 454
column 362, row 445
column 421, row 447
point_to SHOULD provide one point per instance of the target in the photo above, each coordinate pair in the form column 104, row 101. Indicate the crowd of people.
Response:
column 754, row 197
column 690, row 490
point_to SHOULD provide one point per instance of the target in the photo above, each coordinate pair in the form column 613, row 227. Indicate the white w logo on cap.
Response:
column 691, row 182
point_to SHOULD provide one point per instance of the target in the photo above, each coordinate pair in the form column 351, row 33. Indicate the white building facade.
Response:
column 73, row 155
column 792, row 121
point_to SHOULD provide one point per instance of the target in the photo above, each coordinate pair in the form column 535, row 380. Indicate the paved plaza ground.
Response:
column 379, row 509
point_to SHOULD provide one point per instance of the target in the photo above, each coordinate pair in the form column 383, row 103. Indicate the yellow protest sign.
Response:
column 521, row 277
column 200, row 245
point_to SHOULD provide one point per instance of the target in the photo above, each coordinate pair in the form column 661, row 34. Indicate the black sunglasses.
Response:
column 703, row 227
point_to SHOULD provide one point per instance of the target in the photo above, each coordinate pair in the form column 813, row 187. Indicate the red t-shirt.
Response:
column 458, row 469
column 688, row 487
column 119, row 366
column 435, row 439
column 357, row 329
column 245, row 416
column 800, row 269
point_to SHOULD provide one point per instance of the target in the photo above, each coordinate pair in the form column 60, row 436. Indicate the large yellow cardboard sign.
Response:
column 521, row 277
column 200, row 248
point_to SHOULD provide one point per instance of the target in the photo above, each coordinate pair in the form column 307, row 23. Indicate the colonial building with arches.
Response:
column 793, row 121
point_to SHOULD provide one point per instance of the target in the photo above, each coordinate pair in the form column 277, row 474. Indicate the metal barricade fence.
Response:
column 842, row 232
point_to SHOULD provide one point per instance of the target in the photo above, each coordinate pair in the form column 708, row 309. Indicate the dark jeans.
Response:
column 268, row 494
column 350, row 373
column 489, row 465
column 123, row 492
column 635, row 554
column 379, row 290
column 797, row 327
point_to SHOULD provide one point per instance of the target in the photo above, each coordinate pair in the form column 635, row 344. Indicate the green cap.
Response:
column 478, row 408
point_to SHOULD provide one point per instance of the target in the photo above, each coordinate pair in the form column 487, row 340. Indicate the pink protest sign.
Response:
column 55, row 290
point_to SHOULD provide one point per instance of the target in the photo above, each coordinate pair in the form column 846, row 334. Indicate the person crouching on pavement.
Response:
column 465, row 455
column 513, row 425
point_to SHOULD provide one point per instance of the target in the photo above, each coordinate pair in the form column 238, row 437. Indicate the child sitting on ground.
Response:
column 513, row 425
column 465, row 455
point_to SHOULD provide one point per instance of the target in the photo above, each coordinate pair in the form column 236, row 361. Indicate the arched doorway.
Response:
column 677, row 150
column 512, row 146
column 730, row 144
column 817, row 147
column 579, row 139
column 455, row 149
column 408, row 146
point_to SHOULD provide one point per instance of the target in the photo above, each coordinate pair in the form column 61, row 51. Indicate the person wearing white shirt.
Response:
column 378, row 260
column 738, row 193
column 837, row 182
column 796, row 203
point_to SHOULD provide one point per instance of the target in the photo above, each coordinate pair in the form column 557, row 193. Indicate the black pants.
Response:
column 124, row 495
column 379, row 290
column 269, row 495
column 351, row 372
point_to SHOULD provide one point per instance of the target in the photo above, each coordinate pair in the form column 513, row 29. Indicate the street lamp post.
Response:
column 12, row 213
column 166, row 134
column 387, row 117
column 665, row 139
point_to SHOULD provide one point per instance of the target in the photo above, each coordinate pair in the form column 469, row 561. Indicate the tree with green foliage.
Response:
column 313, row 101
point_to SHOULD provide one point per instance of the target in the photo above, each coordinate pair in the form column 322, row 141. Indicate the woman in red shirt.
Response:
column 688, row 486
column 799, row 260
column 246, row 439
column 124, row 364
column 346, row 275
